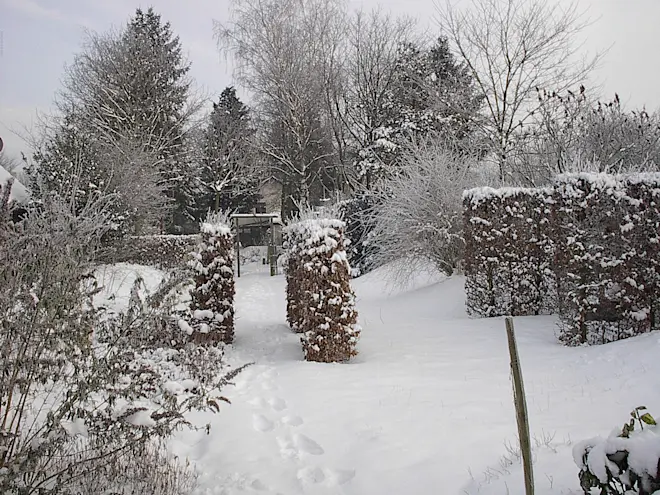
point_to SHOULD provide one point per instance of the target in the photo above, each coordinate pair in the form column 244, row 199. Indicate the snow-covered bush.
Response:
column 81, row 394
column 253, row 254
column 418, row 218
column 357, row 214
column 625, row 463
column 212, row 298
column 320, row 301
column 508, row 252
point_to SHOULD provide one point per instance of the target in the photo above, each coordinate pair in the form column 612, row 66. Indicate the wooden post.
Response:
column 271, row 250
column 521, row 408
column 238, row 248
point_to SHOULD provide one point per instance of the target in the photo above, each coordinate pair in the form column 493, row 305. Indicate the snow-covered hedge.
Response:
column 597, row 262
column 624, row 463
column 212, row 298
column 320, row 301
column 508, row 252
column 163, row 251
column 591, row 239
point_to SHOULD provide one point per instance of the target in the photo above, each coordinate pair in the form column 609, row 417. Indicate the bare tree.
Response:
column 374, row 40
column 10, row 164
column 574, row 131
column 513, row 47
column 283, row 51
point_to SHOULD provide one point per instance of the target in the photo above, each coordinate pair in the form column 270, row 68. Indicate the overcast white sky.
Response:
column 40, row 36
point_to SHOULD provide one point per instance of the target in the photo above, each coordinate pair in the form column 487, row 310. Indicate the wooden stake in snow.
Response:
column 521, row 408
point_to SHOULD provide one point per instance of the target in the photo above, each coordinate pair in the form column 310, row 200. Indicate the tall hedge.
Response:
column 585, row 248
column 320, row 301
column 508, row 252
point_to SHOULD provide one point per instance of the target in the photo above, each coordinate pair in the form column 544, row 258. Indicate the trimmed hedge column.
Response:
column 212, row 298
column 320, row 301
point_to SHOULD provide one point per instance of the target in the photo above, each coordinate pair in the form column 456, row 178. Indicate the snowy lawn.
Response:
column 426, row 408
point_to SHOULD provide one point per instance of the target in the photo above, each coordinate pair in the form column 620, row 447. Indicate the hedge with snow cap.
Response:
column 508, row 252
column 212, row 298
column 586, row 248
column 163, row 251
column 320, row 301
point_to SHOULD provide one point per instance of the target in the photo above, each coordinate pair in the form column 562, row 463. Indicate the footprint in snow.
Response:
column 268, row 386
column 311, row 475
column 307, row 445
column 341, row 476
column 258, row 402
column 258, row 485
column 261, row 423
column 277, row 404
column 292, row 420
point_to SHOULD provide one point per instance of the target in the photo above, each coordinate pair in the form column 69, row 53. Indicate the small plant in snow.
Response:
column 625, row 463
column 212, row 298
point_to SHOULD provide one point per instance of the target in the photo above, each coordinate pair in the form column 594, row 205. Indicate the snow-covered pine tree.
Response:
column 159, row 85
column 133, row 86
column 212, row 298
column 67, row 165
column 228, row 177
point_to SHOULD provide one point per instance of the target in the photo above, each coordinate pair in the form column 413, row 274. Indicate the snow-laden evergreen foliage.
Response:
column 430, row 93
column 212, row 298
column 320, row 301
column 80, row 166
column 595, row 234
column 228, row 178
column 130, row 89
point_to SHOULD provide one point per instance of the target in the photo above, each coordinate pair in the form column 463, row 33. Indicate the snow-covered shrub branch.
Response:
column 508, row 252
column 624, row 463
column 596, row 235
column 83, row 394
column 212, row 298
column 320, row 301
column 418, row 216
column 356, row 213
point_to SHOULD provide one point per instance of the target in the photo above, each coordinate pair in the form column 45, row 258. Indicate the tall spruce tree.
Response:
column 157, row 90
column 228, row 179
column 131, row 88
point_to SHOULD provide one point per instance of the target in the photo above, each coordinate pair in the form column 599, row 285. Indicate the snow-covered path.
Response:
column 424, row 409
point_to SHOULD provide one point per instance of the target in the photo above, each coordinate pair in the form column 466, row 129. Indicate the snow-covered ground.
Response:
column 426, row 408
